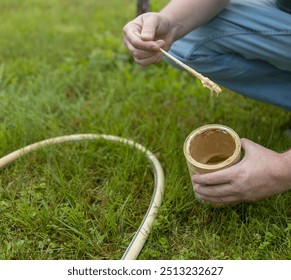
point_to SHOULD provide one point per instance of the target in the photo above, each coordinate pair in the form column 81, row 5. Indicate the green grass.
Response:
column 64, row 70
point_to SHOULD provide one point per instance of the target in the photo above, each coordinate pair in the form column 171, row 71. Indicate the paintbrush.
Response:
column 204, row 80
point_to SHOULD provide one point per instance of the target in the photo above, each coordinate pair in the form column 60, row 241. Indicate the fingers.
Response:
column 145, row 48
column 221, row 194
column 215, row 187
column 215, row 178
column 149, row 27
column 149, row 60
column 147, row 54
column 213, row 191
column 252, row 179
column 143, row 52
column 226, row 200
column 131, row 39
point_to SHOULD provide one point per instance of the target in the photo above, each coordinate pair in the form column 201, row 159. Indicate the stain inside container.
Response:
column 212, row 146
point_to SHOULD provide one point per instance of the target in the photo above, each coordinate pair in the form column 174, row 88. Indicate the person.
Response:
column 246, row 47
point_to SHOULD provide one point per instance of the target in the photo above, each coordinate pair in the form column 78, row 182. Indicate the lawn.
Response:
column 64, row 70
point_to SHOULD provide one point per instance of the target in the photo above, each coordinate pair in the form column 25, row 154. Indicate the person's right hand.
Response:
column 156, row 31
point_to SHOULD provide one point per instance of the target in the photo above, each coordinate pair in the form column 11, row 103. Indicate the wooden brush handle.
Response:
column 204, row 80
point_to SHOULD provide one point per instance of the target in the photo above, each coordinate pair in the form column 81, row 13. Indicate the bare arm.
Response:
column 187, row 15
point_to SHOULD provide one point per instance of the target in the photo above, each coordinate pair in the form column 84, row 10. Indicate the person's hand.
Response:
column 262, row 173
column 155, row 32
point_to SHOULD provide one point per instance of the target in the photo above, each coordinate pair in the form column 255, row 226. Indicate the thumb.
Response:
column 149, row 26
column 249, row 146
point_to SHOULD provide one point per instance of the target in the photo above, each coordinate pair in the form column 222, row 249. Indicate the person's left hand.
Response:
column 260, row 174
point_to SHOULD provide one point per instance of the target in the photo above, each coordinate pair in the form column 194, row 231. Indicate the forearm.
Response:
column 186, row 15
